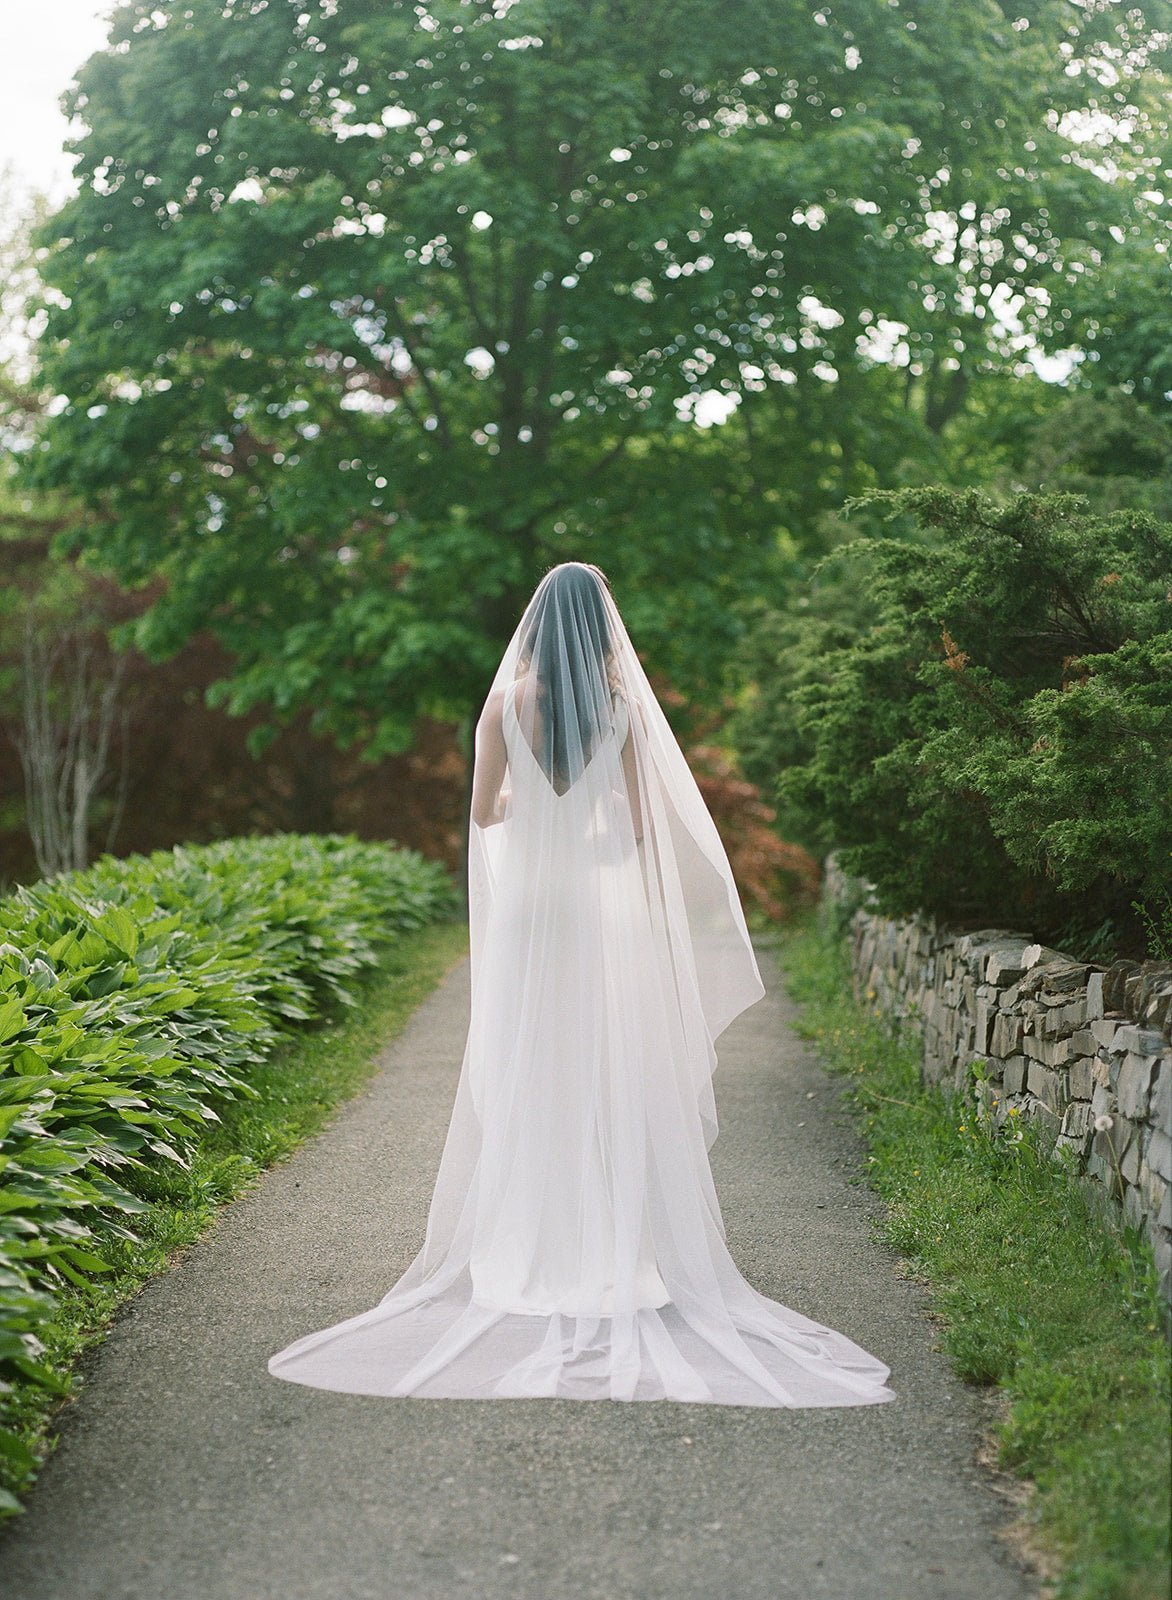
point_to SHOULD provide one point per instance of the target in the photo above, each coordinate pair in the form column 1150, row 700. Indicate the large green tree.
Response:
column 373, row 309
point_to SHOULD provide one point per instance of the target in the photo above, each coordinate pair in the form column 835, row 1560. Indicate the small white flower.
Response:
column 1104, row 1124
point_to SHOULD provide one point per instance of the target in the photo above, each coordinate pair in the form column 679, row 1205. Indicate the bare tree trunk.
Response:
column 79, row 842
column 69, row 710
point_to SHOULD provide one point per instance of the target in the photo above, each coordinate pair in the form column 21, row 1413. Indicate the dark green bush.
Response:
column 134, row 997
column 990, row 737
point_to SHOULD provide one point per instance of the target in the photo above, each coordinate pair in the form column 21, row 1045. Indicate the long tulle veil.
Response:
column 574, row 1243
column 573, row 669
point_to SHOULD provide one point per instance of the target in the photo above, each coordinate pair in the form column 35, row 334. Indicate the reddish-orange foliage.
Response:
column 774, row 876
column 954, row 656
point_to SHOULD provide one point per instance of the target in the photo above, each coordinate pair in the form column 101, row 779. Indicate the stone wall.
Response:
column 1084, row 1051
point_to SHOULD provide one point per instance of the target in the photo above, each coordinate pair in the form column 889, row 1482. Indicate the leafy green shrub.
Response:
column 992, row 740
column 133, row 997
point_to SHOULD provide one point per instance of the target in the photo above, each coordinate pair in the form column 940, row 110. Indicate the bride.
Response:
column 574, row 1244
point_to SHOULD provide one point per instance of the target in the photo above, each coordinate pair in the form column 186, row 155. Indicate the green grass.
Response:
column 299, row 1086
column 1036, row 1288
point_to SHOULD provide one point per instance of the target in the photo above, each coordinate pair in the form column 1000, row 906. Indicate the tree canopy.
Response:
column 367, row 312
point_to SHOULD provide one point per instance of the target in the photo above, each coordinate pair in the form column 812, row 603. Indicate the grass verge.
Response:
column 1036, row 1289
column 300, row 1085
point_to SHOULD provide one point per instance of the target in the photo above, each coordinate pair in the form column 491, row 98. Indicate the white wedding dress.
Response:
column 574, row 1244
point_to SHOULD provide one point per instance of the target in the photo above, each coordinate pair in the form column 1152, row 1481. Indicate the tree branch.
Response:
column 487, row 333
column 425, row 378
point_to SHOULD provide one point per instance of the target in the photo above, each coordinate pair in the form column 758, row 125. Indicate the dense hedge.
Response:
column 979, row 714
column 135, row 996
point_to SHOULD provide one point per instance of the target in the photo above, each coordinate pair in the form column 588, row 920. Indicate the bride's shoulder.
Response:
column 496, row 703
column 492, row 711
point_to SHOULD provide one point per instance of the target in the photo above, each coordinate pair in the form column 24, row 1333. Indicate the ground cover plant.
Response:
column 1036, row 1289
column 140, row 1001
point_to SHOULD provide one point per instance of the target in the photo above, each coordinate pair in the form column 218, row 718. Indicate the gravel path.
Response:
column 185, row 1471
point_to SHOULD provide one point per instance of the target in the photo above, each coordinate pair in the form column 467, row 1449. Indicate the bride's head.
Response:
column 567, row 654
column 568, row 630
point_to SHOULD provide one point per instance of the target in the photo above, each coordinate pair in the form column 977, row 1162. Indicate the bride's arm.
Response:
column 490, row 764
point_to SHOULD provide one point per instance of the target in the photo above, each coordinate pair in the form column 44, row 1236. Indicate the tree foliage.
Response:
column 365, row 313
column 1110, row 449
column 992, row 740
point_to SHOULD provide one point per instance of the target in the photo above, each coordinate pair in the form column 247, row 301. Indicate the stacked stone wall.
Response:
column 1082, row 1050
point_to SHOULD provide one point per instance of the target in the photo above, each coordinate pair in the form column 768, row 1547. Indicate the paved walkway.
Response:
column 185, row 1472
